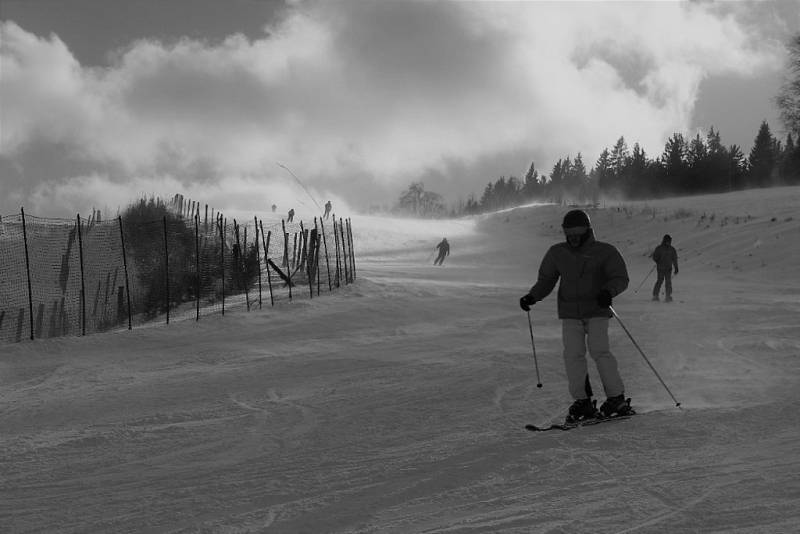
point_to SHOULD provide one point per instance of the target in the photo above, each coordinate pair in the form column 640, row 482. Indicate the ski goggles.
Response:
column 575, row 230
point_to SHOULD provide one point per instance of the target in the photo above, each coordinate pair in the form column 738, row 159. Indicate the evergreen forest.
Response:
column 686, row 166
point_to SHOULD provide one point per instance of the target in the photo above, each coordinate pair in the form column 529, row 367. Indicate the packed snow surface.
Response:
column 398, row 403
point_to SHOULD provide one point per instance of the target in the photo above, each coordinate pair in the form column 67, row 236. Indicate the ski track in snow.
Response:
column 398, row 403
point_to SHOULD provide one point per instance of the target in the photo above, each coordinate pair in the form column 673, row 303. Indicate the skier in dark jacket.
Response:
column 591, row 274
column 666, row 258
column 444, row 251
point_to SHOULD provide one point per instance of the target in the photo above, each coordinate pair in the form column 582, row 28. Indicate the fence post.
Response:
column 245, row 268
column 27, row 269
column 236, row 265
column 327, row 260
column 306, row 248
column 222, row 224
column 285, row 262
column 300, row 253
column 83, row 281
column 258, row 259
column 269, row 273
column 286, row 257
column 266, row 262
column 308, row 261
column 166, row 265
column 338, row 276
column 197, row 260
column 125, row 265
column 316, row 250
column 294, row 253
column 352, row 252
column 291, row 267
column 241, row 264
column 344, row 253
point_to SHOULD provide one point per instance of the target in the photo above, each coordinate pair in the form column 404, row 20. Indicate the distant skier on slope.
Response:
column 444, row 251
column 666, row 258
column 591, row 273
column 328, row 207
column 290, row 215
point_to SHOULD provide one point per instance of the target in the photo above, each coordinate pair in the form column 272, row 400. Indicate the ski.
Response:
column 569, row 425
column 597, row 419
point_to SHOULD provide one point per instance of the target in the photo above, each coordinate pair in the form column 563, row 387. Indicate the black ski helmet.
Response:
column 576, row 218
column 667, row 239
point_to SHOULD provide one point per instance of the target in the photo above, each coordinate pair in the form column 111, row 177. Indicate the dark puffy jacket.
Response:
column 666, row 257
column 584, row 272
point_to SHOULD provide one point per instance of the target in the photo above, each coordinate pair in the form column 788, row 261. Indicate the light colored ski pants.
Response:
column 576, row 334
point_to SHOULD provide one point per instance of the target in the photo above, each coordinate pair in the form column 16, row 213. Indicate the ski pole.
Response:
column 533, row 345
column 678, row 404
column 645, row 279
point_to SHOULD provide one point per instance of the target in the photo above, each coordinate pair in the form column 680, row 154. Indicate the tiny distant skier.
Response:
column 327, row 209
column 291, row 215
column 666, row 258
column 444, row 251
column 591, row 273
column 274, row 207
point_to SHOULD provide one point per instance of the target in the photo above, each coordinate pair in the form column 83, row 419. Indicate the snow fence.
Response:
column 61, row 277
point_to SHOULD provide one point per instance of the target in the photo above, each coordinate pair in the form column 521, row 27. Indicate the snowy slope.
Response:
column 398, row 403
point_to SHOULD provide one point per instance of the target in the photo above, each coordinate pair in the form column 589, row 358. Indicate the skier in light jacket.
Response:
column 666, row 258
column 591, row 274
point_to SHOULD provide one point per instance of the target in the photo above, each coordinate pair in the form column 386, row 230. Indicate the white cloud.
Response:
column 42, row 89
column 387, row 90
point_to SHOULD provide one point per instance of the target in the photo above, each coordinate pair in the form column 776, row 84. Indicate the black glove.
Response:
column 526, row 302
column 676, row 270
column 604, row 298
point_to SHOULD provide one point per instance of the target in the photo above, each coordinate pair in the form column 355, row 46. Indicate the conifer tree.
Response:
column 604, row 174
column 763, row 158
column 532, row 188
column 558, row 179
column 697, row 175
column 737, row 168
column 717, row 166
column 673, row 162
column 574, row 178
column 638, row 175
column 618, row 160
column 487, row 199
column 513, row 187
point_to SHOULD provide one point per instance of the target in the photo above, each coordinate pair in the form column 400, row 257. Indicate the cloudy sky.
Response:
column 104, row 101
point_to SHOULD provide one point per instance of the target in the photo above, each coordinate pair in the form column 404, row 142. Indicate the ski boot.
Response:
column 616, row 406
column 582, row 409
column 655, row 298
column 668, row 299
